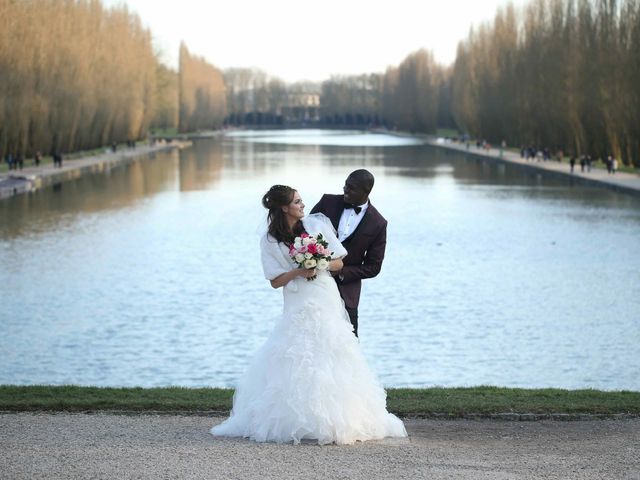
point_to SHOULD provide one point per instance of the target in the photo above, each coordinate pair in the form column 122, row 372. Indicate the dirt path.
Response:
column 172, row 446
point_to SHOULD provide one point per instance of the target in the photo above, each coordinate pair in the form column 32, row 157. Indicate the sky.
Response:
column 303, row 40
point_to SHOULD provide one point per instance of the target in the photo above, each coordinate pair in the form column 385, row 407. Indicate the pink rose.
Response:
column 311, row 248
column 304, row 235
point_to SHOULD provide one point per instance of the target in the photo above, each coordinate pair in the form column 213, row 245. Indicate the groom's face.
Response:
column 354, row 192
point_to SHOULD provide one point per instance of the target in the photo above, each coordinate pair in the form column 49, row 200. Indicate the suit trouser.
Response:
column 353, row 316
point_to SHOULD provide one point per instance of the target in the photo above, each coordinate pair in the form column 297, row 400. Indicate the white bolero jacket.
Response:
column 275, row 255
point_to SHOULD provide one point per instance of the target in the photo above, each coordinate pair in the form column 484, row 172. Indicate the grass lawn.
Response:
column 164, row 132
column 454, row 402
column 448, row 132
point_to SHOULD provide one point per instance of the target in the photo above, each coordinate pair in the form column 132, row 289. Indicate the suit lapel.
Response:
column 336, row 213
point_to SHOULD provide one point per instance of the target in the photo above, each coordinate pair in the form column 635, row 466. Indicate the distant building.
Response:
column 301, row 107
column 255, row 99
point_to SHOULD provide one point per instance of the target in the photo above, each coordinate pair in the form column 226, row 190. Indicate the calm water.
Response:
column 150, row 274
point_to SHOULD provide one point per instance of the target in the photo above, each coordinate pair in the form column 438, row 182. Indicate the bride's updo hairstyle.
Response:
column 277, row 197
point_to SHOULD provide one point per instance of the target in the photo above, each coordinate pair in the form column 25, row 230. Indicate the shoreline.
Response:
column 497, row 417
column 623, row 182
column 620, row 182
column 31, row 179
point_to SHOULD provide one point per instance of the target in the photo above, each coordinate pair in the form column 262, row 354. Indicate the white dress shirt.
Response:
column 350, row 220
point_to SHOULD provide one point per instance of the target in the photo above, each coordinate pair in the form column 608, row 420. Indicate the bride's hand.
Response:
column 307, row 273
column 282, row 280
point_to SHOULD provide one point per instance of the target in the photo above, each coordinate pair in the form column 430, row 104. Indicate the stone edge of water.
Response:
column 509, row 417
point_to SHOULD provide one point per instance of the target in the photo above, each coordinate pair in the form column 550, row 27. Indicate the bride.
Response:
column 310, row 379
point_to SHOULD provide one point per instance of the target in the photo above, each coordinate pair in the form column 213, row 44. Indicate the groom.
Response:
column 362, row 231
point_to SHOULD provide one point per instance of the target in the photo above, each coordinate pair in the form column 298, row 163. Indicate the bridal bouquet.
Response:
column 310, row 251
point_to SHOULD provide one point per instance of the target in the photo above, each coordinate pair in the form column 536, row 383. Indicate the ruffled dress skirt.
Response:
column 310, row 379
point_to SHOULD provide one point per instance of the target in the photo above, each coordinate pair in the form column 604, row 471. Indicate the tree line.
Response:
column 75, row 75
column 254, row 97
column 559, row 73
column 413, row 96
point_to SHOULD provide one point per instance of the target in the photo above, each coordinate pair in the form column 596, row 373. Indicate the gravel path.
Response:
column 69, row 446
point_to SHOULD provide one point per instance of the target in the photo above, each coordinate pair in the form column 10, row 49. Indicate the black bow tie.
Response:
column 348, row 206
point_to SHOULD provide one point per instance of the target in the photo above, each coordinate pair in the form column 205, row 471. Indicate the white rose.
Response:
column 312, row 240
column 323, row 264
column 297, row 243
column 308, row 256
column 299, row 257
column 308, row 264
column 306, row 241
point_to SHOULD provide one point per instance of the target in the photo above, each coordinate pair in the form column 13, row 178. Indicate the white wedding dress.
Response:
column 310, row 379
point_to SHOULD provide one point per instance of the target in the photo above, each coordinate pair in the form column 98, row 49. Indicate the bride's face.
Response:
column 295, row 209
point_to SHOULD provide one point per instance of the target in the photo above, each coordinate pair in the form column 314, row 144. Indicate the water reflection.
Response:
column 59, row 205
column 201, row 166
column 341, row 138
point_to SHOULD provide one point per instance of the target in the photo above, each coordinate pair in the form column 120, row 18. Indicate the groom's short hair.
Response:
column 364, row 178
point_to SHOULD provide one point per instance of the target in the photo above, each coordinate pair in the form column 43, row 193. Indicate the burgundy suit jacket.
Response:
column 365, row 246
